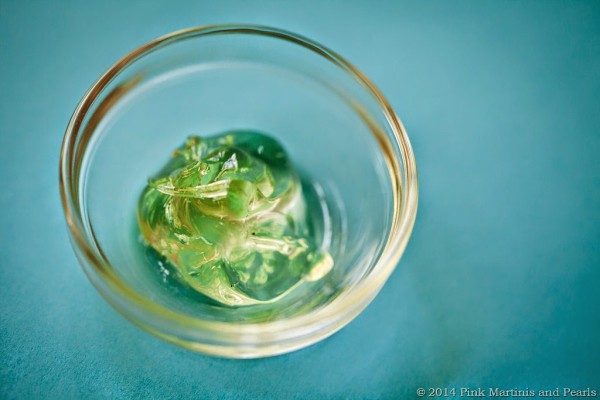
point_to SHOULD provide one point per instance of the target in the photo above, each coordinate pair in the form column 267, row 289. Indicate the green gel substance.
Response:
column 228, row 212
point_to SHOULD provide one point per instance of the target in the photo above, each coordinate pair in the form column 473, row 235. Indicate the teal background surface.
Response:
column 499, row 285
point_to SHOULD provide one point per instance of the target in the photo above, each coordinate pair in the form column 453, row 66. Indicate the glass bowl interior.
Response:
column 351, row 152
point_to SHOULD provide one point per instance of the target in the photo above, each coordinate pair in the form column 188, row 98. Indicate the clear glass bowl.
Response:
column 340, row 133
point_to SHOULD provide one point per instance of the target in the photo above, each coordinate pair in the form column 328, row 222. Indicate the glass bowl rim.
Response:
column 335, row 314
